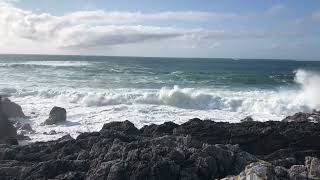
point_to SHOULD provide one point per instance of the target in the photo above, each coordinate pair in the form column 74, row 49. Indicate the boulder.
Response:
column 125, row 126
column 11, row 109
column 57, row 115
column 8, row 133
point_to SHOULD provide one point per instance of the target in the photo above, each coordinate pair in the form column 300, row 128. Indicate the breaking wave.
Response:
column 305, row 98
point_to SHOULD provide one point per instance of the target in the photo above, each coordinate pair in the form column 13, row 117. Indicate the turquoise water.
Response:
column 131, row 72
column 96, row 90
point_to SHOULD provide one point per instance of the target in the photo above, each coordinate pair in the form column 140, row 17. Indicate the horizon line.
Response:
column 160, row 57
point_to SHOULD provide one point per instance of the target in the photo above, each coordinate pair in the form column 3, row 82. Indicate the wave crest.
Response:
column 310, row 87
column 283, row 102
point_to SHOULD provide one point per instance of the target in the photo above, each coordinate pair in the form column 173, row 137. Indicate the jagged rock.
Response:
column 118, row 151
column 11, row 109
column 304, row 117
column 298, row 172
column 263, row 170
column 258, row 171
column 270, row 140
column 158, row 130
column 57, row 115
column 313, row 166
column 197, row 149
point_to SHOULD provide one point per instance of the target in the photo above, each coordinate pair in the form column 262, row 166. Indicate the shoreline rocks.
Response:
column 196, row 149
column 56, row 115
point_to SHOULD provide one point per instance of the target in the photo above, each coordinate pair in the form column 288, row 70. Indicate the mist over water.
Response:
column 96, row 90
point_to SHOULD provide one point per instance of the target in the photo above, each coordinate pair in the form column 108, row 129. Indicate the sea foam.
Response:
column 283, row 101
column 88, row 109
column 310, row 87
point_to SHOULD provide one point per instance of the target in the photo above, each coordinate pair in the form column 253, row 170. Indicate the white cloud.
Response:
column 118, row 17
column 86, row 36
column 91, row 29
column 94, row 28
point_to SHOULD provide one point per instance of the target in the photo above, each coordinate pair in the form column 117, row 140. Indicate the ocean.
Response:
column 144, row 90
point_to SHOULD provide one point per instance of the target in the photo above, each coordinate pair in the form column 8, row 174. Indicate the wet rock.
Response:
column 11, row 109
column 52, row 132
column 8, row 133
column 57, row 115
column 22, row 137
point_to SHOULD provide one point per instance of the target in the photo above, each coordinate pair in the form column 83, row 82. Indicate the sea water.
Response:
column 96, row 90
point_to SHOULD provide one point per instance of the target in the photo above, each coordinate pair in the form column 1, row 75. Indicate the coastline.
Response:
column 197, row 149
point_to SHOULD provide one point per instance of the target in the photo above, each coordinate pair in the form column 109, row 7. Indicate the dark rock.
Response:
column 118, row 151
column 281, row 172
column 304, row 117
column 125, row 127
column 197, row 150
column 270, row 140
column 52, row 132
column 8, row 133
column 22, row 137
column 248, row 118
column 11, row 109
column 158, row 130
column 57, row 115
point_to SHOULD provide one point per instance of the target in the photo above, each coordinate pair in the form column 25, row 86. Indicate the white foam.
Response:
column 88, row 109
column 310, row 85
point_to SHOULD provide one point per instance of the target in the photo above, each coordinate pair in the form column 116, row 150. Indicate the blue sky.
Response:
column 206, row 28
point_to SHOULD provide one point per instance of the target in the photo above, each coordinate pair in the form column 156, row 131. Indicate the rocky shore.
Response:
column 197, row 149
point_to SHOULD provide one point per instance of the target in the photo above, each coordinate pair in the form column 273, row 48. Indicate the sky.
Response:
column 273, row 29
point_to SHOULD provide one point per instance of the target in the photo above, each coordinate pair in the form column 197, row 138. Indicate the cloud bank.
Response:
column 90, row 29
